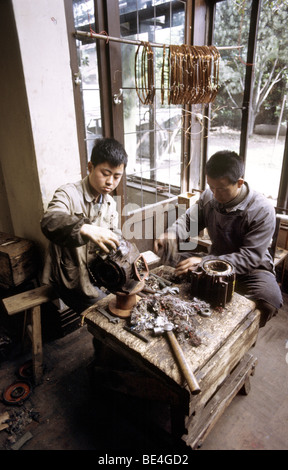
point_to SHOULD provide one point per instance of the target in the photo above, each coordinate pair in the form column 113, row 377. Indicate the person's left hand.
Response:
column 101, row 236
column 187, row 264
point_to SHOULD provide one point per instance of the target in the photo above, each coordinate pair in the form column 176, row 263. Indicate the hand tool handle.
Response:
column 135, row 333
column 185, row 368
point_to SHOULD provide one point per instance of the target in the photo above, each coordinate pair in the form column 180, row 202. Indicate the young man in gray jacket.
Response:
column 82, row 217
column 240, row 223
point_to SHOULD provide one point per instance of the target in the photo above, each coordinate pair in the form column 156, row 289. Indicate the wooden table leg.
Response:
column 37, row 352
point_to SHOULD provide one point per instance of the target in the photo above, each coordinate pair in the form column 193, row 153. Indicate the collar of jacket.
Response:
column 88, row 193
column 238, row 206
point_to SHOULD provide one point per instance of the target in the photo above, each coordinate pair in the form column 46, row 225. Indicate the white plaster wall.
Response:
column 41, row 27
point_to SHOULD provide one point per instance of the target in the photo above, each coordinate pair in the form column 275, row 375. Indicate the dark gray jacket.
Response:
column 241, row 236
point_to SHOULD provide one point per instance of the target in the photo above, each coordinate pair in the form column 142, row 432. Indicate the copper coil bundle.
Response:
column 189, row 74
column 193, row 74
column 144, row 73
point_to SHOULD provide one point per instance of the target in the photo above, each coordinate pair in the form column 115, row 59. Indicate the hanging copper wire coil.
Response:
column 17, row 392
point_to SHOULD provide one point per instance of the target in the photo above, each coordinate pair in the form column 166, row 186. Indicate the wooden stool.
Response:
column 31, row 301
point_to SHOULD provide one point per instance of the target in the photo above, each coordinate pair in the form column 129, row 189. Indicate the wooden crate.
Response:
column 18, row 260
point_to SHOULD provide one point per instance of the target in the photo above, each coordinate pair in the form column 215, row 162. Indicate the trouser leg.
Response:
column 267, row 312
column 261, row 287
column 78, row 302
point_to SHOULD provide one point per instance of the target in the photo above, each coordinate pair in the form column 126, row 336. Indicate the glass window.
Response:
column 231, row 26
column 268, row 105
column 88, row 77
column 152, row 131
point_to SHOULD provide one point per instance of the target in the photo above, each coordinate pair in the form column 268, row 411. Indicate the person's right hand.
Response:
column 101, row 236
column 163, row 241
column 188, row 264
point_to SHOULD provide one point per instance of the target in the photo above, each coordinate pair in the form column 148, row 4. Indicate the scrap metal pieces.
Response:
column 201, row 307
column 151, row 310
column 156, row 285
column 165, row 290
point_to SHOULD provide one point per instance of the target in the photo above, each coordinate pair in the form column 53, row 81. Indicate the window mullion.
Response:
column 109, row 64
column 255, row 15
column 110, row 78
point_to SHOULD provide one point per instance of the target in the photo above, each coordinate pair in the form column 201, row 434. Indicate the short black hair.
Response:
column 225, row 164
column 109, row 150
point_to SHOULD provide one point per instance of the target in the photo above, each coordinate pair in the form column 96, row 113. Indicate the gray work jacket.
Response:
column 241, row 236
column 69, row 253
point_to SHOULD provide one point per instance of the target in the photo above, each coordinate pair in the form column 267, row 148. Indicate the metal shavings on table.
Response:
column 151, row 311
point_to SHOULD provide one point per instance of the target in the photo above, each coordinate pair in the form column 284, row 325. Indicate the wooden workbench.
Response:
column 222, row 363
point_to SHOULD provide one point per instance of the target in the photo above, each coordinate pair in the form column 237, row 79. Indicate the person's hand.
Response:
column 166, row 247
column 163, row 241
column 101, row 236
column 187, row 264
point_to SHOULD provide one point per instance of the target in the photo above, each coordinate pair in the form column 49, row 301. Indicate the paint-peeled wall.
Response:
column 42, row 32
column 39, row 148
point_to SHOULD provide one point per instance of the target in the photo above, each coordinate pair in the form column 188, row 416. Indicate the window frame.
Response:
column 198, row 30
column 282, row 199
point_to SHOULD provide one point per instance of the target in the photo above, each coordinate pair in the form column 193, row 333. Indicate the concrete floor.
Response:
column 65, row 413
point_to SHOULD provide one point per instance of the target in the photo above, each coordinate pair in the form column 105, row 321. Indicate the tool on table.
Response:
column 165, row 290
column 135, row 333
column 185, row 367
column 162, row 281
column 170, row 290
column 106, row 314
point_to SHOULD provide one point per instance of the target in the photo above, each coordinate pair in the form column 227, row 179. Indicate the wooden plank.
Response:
column 135, row 383
column 37, row 351
column 139, row 360
column 198, row 428
column 29, row 299
column 213, row 374
column 280, row 256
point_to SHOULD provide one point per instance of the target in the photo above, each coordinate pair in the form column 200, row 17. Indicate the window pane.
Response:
column 88, row 80
column 152, row 131
column 269, row 106
column 231, row 26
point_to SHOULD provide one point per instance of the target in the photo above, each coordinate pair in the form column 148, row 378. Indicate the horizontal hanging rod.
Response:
column 133, row 42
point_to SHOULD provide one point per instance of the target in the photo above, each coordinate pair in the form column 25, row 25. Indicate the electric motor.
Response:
column 120, row 270
column 214, row 282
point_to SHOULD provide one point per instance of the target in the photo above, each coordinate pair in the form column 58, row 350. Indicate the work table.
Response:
column 226, row 337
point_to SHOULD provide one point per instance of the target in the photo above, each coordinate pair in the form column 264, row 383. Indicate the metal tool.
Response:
column 161, row 280
column 165, row 290
column 106, row 314
column 170, row 290
column 135, row 333
column 184, row 366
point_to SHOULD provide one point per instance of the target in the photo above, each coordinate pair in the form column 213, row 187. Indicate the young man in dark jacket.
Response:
column 240, row 223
